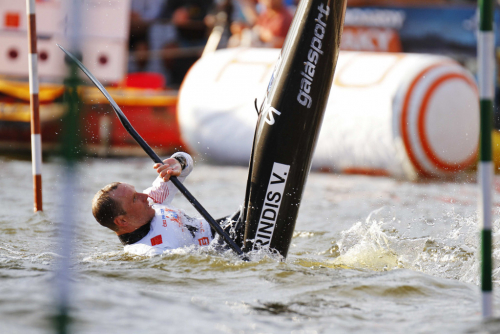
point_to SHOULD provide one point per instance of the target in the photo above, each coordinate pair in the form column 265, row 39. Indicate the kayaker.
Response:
column 146, row 223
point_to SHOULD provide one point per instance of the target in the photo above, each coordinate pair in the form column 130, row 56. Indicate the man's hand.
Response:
column 171, row 167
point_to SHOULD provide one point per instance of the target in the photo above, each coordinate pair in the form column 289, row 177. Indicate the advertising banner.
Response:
column 443, row 30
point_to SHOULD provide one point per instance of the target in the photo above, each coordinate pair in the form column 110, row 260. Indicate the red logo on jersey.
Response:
column 156, row 240
column 164, row 223
column 203, row 241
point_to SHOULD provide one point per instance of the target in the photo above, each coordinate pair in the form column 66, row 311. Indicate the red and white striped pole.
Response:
column 36, row 140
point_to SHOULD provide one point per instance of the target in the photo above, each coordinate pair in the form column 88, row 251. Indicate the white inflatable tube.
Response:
column 388, row 113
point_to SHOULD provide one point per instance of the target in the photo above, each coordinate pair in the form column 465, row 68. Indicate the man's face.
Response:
column 136, row 205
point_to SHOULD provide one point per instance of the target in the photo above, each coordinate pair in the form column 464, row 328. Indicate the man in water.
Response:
column 145, row 222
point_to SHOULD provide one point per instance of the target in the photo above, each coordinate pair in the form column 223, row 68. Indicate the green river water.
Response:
column 369, row 255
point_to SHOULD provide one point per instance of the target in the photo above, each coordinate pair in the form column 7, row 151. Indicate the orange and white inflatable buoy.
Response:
column 395, row 114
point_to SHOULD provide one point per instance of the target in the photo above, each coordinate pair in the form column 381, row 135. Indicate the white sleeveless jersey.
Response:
column 170, row 228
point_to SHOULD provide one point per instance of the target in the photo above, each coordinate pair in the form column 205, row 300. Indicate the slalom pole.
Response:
column 486, row 78
column 130, row 129
column 36, row 141
column 71, row 151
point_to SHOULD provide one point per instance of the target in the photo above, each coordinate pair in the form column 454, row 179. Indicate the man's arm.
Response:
column 163, row 191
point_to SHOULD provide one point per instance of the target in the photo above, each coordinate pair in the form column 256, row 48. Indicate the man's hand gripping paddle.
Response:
column 125, row 122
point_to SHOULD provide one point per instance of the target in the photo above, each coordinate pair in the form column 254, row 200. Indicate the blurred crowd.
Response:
column 168, row 36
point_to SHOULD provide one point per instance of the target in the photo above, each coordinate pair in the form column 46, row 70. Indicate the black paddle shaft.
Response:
column 130, row 129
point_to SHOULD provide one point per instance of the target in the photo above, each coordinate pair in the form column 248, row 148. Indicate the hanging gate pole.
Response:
column 36, row 141
column 486, row 78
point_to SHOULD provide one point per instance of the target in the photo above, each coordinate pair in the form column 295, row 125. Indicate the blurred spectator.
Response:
column 272, row 25
column 142, row 14
column 188, row 18
column 267, row 28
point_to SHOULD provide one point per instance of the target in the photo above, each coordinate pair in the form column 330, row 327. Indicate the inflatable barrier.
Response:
column 395, row 114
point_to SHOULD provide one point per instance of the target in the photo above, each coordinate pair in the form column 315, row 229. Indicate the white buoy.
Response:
column 388, row 113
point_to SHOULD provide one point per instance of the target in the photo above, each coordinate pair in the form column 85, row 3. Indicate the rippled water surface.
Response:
column 369, row 255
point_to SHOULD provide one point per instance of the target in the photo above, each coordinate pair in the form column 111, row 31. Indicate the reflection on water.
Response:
column 368, row 255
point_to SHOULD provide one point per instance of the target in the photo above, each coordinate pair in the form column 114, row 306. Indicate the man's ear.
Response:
column 120, row 221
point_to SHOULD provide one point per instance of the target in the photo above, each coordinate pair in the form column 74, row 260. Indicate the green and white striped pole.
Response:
column 486, row 78
column 71, row 151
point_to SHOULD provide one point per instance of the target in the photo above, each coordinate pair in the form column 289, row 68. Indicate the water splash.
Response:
column 366, row 245
column 377, row 244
